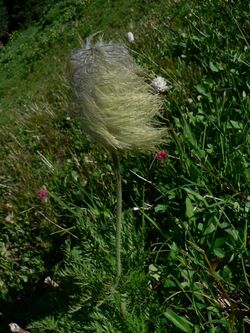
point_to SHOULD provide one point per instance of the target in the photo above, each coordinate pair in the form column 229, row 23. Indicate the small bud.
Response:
column 10, row 218
column 131, row 38
column 89, row 160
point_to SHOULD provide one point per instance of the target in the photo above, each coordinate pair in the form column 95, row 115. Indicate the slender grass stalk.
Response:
column 116, row 161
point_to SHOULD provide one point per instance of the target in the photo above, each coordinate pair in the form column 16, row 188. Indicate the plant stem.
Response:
column 116, row 161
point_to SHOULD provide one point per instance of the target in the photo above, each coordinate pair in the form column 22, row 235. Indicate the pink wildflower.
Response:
column 42, row 194
column 161, row 155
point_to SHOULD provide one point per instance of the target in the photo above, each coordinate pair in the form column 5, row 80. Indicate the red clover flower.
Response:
column 42, row 194
column 161, row 155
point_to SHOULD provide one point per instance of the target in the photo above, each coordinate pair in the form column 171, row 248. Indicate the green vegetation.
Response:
column 185, row 238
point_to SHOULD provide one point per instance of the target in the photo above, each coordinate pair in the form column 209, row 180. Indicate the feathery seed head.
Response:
column 114, row 104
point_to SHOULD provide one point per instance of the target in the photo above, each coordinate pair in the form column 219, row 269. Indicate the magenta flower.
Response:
column 42, row 194
column 161, row 155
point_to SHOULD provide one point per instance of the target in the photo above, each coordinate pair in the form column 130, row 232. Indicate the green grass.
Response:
column 185, row 235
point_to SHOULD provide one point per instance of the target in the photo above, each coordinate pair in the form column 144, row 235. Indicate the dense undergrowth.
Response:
column 186, row 219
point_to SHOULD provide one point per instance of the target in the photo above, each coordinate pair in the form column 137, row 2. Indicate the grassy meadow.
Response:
column 185, row 232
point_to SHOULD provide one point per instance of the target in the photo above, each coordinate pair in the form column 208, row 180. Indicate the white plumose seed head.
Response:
column 113, row 102
column 159, row 84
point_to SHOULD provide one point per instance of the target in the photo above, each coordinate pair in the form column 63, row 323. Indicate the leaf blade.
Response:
column 179, row 321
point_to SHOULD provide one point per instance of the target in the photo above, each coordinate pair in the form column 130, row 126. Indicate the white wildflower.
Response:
column 159, row 84
column 51, row 282
column 16, row 328
column 131, row 38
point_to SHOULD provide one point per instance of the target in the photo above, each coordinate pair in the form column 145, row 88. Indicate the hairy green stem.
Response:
column 116, row 161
